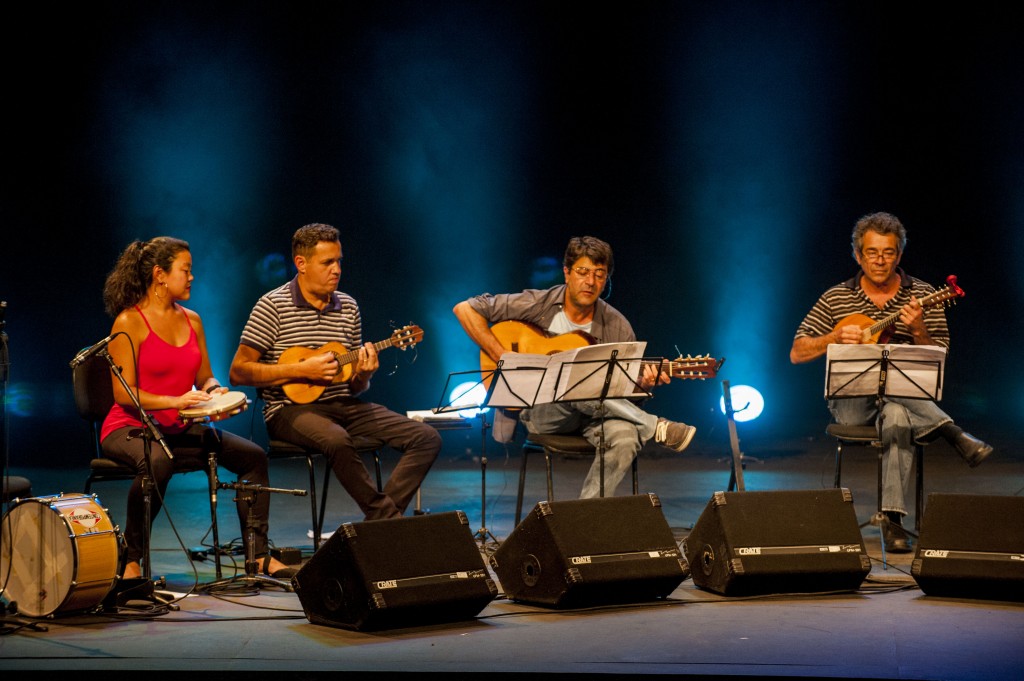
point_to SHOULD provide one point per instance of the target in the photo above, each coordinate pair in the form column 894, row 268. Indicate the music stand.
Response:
column 594, row 372
column 509, row 397
column 881, row 371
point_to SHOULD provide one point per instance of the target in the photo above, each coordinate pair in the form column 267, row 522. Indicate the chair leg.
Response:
column 919, row 465
column 317, row 527
column 837, row 481
column 328, row 472
column 522, row 485
column 547, row 465
column 636, row 477
column 376, row 468
column 881, row 453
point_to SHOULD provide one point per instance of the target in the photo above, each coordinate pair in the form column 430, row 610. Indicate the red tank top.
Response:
column 164, row 369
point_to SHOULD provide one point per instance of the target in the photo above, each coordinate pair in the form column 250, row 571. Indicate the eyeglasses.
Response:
column 600, row 273
column 887, row 254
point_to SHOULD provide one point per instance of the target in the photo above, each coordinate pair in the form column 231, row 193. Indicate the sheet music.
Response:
column 914, row 371
column 575, row 374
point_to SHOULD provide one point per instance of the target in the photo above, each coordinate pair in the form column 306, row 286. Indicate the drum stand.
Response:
column 252, row 576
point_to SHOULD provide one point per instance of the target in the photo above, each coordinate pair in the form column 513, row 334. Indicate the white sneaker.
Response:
column 674, row 435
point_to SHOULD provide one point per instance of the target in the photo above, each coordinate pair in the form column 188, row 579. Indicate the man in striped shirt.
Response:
column 880, row 289
column 308, row 312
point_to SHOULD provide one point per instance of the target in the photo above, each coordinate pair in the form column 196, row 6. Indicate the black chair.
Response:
column 867, row 436
column 280, row 449
column 565, row 446
column 94, row 396
column 15, row 487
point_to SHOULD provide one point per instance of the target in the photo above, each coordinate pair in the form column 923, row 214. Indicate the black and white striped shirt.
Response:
column 282, row 319
column 849, row 298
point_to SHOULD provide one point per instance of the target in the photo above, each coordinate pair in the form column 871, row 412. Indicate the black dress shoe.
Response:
column 895, row 539
column 973, row 450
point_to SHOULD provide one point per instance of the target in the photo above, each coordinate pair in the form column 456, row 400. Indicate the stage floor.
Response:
column 888, row 629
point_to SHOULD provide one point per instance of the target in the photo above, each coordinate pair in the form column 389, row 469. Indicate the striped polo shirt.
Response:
column 282, row 319
column 849, row 298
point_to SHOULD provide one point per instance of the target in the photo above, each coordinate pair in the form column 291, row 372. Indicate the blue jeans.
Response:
column 626, row 427
column 903, row 421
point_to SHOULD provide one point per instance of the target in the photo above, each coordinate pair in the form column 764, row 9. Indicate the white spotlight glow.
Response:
column 469, row 394
column 747, row 403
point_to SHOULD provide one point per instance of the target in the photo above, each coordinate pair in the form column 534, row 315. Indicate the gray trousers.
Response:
column 903, row 421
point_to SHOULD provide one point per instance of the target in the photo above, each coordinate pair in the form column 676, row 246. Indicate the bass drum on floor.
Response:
column 60, row 552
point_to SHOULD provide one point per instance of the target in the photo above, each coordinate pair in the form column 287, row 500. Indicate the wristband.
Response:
column 212, row 388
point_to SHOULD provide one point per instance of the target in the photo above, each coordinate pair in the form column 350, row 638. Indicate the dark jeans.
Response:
column 337, row 427
column 242, row 457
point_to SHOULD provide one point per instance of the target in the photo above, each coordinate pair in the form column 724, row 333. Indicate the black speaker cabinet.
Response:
column 971, row 546
column 589, row 552
column 380, row 574
column 748, row 543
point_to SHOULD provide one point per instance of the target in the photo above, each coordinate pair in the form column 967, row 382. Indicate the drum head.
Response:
column 59, row 553
column 221, row 405
column 38, row 548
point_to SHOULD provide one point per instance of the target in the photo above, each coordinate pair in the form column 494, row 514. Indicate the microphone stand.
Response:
column 252, row 576
column 141, row 588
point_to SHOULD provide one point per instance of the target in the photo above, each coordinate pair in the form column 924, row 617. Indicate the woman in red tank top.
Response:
column 161, row 349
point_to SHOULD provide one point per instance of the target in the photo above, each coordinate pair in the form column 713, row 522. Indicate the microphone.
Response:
column 91, row 350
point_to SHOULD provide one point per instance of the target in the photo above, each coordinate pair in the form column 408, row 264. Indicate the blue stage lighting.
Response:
column 468, row 394
column 747, row 402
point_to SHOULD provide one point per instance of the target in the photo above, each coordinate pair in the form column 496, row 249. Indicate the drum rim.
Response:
column 198, row 412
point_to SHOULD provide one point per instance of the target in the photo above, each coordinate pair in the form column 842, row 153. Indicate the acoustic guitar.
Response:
column 519, row 336
column 882, row 330
column 304, row 392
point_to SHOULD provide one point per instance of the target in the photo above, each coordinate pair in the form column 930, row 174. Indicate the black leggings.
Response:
column 240, row 456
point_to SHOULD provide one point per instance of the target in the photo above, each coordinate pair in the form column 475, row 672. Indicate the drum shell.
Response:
column 221, row 406
column 65, row 554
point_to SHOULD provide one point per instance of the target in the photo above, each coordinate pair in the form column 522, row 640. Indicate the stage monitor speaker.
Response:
column 971, row 546
column 400, row 572
column 747, row 543
column 590, row 552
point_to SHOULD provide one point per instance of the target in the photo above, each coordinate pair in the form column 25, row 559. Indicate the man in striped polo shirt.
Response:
column 880, row 289
column 308, row 312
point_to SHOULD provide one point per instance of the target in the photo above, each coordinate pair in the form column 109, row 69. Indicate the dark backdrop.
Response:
column 725, row 149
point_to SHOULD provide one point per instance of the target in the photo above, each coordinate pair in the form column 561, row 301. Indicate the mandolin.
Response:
column 519, row 336
column 881, row 331
column 302, row 392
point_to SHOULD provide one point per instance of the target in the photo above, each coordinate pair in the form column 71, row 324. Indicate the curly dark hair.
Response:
column 306, row 238
column 131, row 277
column 883, row 223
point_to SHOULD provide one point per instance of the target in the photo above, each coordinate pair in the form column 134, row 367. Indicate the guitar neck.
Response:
column 929, row 300
column 345, row 358
column 691, row 367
